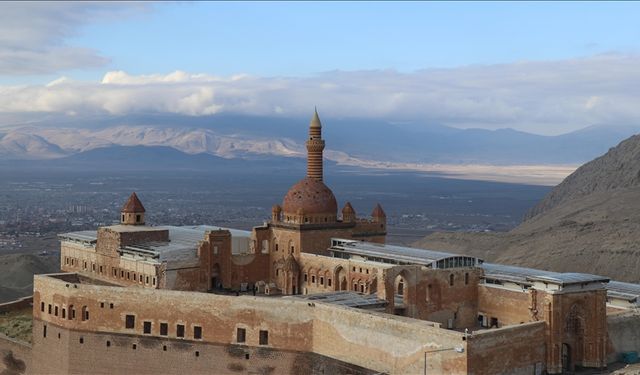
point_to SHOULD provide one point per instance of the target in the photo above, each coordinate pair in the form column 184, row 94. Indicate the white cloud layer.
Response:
column 33, row 35
column 542, row 97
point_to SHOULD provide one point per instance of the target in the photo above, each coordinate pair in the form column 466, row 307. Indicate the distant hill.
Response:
column 158, row 158
column 17, row 270
column 235, row 136
column 589, row 223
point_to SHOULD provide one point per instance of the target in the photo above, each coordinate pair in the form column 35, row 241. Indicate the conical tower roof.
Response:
column 315, row 120
column 378, row 211
column 348, row 208
column 133, row 205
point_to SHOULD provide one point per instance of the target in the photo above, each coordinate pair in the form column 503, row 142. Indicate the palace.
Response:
column 313, row 290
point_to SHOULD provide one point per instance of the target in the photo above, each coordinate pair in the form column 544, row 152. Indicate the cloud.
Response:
column 33, row 35
column 543, row 97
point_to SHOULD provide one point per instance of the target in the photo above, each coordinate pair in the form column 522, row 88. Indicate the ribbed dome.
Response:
column 310, row 196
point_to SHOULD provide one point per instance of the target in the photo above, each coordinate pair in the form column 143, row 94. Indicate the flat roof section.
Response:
column 529, row 275
column 401, row 254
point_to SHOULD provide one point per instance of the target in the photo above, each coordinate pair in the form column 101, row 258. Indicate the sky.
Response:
column 540, row 67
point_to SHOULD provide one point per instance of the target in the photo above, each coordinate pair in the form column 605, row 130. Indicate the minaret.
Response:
column 315, row 146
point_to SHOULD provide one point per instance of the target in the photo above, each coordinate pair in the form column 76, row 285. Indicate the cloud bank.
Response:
column 542, row 97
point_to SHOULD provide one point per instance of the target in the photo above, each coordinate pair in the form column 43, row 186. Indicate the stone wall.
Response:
column 518, row 349
column 344, row 334
column 507, row 306
column 624, row 334
column 15, row 356
column 18, row 304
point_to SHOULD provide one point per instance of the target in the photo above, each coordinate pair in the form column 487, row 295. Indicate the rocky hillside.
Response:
column 589, row 223
column 617, row 169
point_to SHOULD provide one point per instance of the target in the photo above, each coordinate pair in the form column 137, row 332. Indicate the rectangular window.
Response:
column 130, row 322
column 305, row 277
column 146, row 327
column 197, row 332
column 241, row 335
column 180, row 330
column 102, row 305
column 164, row 329
column 64, row 313
column 44, row 331
column 49, row 308
column 42, row 306
column 100, row 269
column 56, row 311
column 313, row 278
column 264, row 337
column 321, row 280
column 154, row 281
column 329, row 282
column 147, row 280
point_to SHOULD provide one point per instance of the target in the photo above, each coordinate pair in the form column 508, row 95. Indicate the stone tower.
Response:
column 132, row 212
column 315, row 146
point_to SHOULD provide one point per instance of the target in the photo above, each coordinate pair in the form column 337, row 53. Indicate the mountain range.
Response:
column 247, row 137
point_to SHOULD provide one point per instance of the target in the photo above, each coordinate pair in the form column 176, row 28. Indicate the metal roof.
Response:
column 399, row 253
column 81, row 236
column 528, row 275
column 627, row 291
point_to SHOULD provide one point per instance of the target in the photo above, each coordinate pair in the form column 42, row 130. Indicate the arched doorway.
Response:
column 340, row 278
column 401, row 289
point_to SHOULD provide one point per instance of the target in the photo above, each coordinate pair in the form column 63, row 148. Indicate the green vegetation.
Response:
column 17, row 324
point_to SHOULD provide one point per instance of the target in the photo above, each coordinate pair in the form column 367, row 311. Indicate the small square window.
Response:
column 130, row 322
column 264, row 337
column 81, row 340
column 108, row 344
column 164, row 329
column 241, row 335
column 134, row 346
column 180, row 330
column 146, row 327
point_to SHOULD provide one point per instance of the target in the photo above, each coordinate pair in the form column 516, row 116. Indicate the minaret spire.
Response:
column 315, row 146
